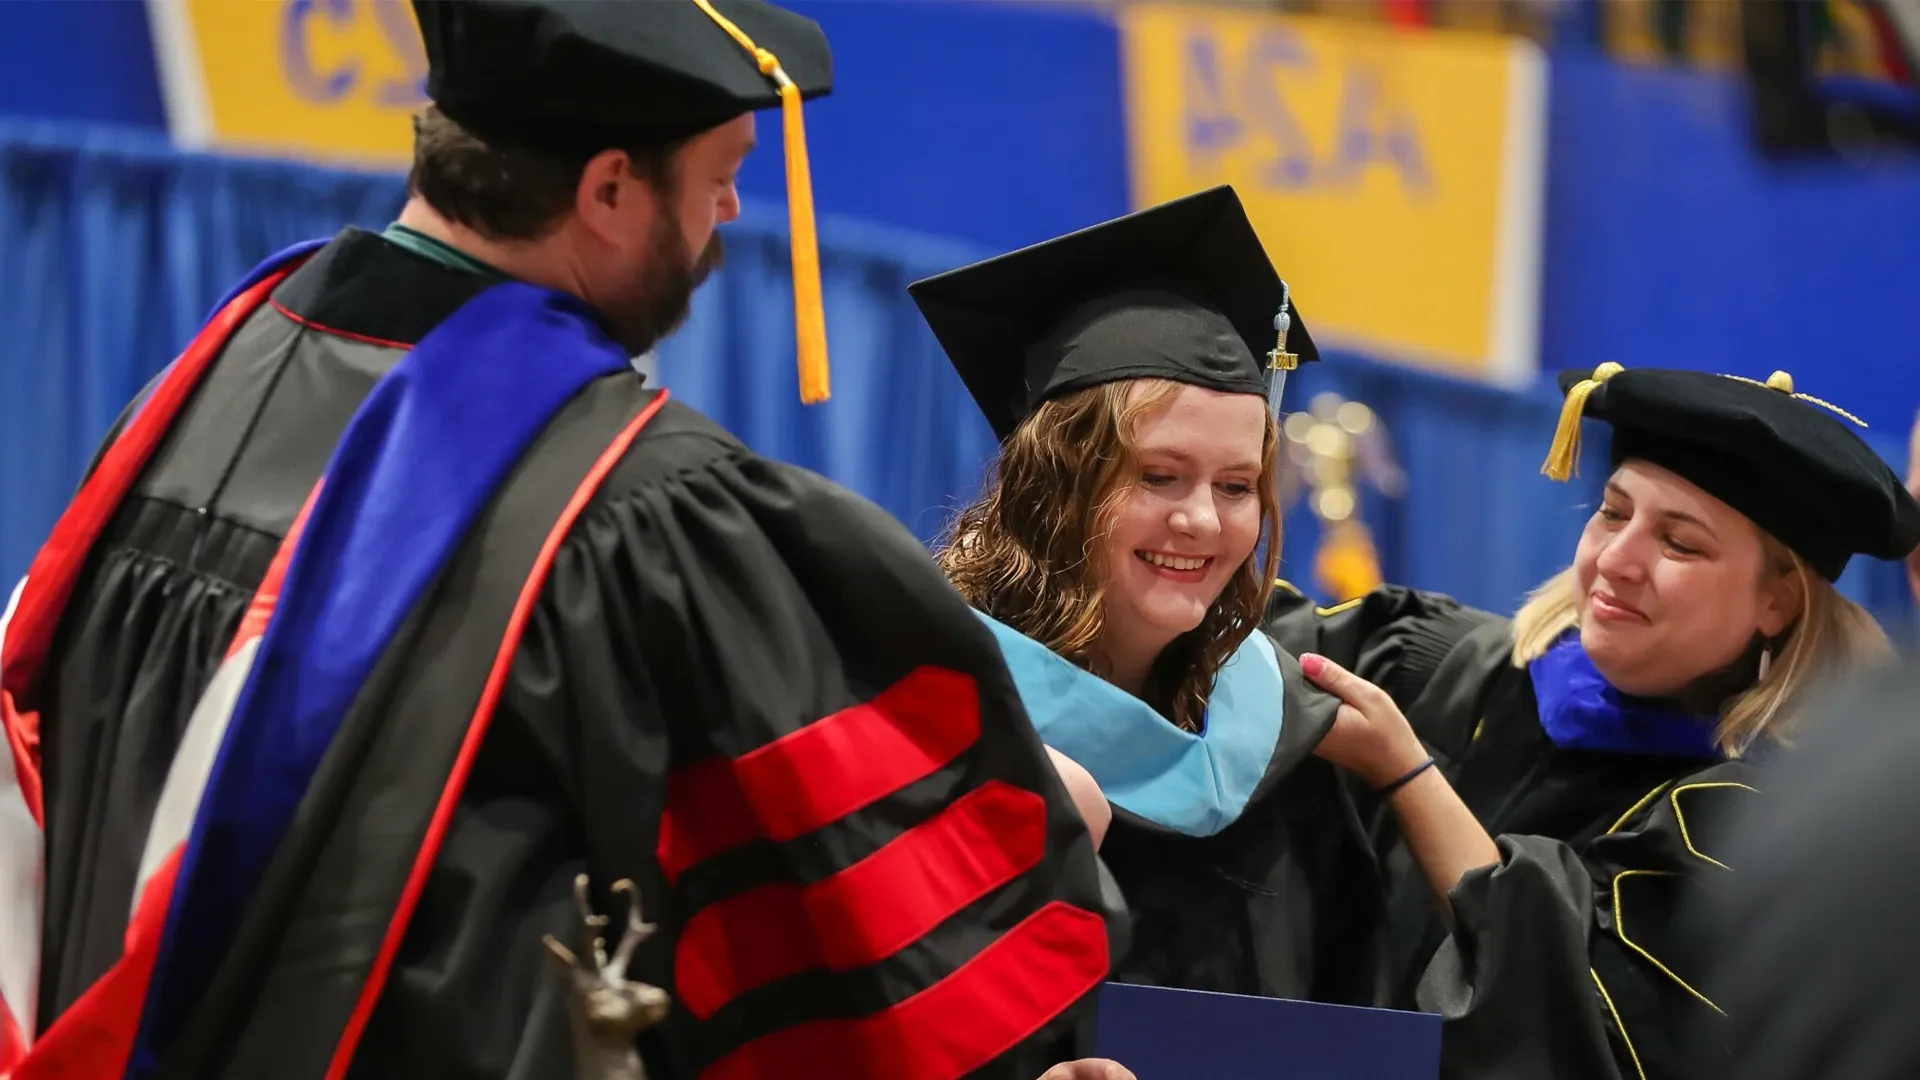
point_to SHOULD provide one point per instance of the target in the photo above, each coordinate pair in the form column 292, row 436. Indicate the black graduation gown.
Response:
column 1564, row 960
column 705, row 602
column 1283, row 902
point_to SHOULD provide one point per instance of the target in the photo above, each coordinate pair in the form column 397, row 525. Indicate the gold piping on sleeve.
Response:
column 1618, row 1023
column 1682, row 818
column 1637, row 807
column 1620, row 931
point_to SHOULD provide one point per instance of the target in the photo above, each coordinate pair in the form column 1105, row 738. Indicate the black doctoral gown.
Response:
column 1283, row 902
column 705, row 603
column 1566, row 959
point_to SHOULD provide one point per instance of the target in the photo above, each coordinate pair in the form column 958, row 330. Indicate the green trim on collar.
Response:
column 428, row 247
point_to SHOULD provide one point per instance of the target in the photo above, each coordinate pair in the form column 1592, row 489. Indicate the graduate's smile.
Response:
column 1189, row 520
column 1176, row 567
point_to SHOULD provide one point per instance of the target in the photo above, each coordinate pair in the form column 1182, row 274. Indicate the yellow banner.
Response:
column 327, row 80
column 1395, row 176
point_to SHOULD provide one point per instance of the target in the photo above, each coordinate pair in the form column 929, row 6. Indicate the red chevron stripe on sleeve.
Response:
column 1006, row 993
column 820, row 773
column 873, row 909
column 867, row 912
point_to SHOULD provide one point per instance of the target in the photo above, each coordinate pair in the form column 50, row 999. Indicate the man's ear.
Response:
column 610, row 196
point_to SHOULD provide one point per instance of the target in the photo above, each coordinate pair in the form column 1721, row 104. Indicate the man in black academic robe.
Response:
column 738, row 685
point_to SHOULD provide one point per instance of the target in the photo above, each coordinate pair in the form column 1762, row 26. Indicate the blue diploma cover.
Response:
column 1166, row 1034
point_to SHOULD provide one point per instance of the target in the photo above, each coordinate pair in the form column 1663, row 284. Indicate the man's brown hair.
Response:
column 504, row 191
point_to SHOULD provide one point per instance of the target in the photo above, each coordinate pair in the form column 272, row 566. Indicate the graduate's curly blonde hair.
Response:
column 1030, row 551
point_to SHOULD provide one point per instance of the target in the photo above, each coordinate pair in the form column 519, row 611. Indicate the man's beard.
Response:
column 667, row 282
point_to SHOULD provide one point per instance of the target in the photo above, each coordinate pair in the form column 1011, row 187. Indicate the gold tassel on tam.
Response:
column 1563, row 458
column 809, row 317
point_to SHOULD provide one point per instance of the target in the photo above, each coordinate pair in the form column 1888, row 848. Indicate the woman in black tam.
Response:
column 1551, row 788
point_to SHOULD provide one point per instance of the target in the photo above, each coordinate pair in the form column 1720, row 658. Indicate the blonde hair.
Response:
column 1030, row 551
column 1833, row 635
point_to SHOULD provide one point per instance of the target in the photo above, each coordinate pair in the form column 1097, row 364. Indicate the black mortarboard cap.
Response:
column 1789, row 462
column 1182, row 291
column 587, row 75
column 581, row 76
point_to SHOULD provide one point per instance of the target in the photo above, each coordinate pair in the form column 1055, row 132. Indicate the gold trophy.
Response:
column 1334, row 446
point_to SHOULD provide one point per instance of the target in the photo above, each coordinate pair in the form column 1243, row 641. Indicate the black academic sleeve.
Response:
column 1573, row 964
column 764, row 704
column 1394, row 637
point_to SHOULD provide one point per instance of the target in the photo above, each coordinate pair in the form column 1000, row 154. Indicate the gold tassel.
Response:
column 809, row 311
column 1563, row 457
column 809, row 315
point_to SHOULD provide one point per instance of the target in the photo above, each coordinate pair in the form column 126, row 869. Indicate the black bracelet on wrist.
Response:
column 1404, row 780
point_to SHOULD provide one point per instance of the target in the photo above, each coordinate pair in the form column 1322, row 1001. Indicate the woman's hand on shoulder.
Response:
column 1370, row 736
column 1089, row 1069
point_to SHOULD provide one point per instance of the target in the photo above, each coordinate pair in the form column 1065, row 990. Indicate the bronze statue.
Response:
column 604, row 1010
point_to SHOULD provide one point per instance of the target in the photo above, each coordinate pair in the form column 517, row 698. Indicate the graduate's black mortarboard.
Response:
column 1182, row 291
column 1790, row 462
column 581, row 76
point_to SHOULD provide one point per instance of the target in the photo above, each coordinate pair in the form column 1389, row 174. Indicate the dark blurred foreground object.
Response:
column 1817, row 974
column 1824, row 84
column 1826, row 77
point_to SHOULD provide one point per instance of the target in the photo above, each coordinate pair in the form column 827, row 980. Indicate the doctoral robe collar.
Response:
column 1581, row 710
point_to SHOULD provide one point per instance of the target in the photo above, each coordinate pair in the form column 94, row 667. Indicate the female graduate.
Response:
column 1557, row 778
column 1130, row 531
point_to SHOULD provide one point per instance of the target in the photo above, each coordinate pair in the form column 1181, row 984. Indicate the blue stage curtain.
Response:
column 1477, row 520
column 112, row 246
column 899, row 428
